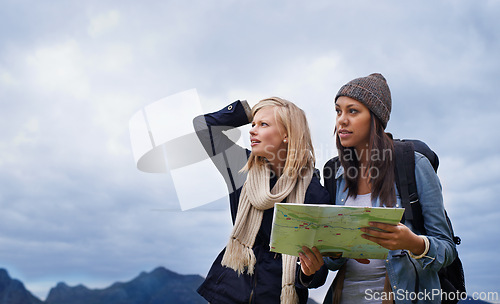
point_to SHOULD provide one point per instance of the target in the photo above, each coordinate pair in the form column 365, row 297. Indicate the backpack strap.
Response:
column 404, row 159
column 406, row 183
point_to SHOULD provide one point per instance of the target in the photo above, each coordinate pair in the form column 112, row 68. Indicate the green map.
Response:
column 334, row 230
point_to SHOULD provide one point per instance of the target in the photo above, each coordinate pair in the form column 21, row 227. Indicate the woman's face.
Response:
column 267, row 135
column 352, row 123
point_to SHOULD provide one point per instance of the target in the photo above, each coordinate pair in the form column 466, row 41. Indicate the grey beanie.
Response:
column 373, row 92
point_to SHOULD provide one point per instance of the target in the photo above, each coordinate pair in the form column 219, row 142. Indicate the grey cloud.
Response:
column 68, row 181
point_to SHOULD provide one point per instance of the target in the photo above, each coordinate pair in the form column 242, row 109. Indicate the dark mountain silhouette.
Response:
column 161, row 286
column 13, row 291
column 157, row 287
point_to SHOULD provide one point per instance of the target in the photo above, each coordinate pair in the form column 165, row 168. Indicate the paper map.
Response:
column 334, row 230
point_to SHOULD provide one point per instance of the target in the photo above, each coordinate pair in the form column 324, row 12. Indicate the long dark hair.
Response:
column 380, row 168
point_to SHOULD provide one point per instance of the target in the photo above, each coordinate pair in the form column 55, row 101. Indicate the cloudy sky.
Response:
column 73, row 205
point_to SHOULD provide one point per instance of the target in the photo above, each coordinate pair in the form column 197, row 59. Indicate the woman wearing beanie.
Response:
column 410, row 271
column 279, row 168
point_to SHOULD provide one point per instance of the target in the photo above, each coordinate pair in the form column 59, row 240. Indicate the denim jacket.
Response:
column 401, row 268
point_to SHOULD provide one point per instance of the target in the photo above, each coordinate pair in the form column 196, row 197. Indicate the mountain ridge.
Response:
column 13, row 291
column 158, row 286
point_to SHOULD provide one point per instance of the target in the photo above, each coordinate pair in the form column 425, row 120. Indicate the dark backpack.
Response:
column 451, row 277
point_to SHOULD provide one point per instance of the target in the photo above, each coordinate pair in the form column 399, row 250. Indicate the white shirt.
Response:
column 361, row 277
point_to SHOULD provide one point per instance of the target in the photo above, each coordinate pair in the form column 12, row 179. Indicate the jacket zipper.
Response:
column 254, row 285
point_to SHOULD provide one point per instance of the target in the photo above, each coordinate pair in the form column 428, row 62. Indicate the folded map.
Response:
column 333, row 229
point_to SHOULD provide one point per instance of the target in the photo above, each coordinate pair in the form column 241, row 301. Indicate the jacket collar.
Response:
column 339, row 172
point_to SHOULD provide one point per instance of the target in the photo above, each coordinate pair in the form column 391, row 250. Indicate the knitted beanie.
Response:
column 373, row 92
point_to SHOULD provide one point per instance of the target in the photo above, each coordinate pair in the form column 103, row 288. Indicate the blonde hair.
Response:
column 300, row 152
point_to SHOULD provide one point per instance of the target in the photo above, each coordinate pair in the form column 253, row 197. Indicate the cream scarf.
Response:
column 254, row 199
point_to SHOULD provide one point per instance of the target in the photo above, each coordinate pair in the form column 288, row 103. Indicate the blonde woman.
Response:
column 279, row 168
